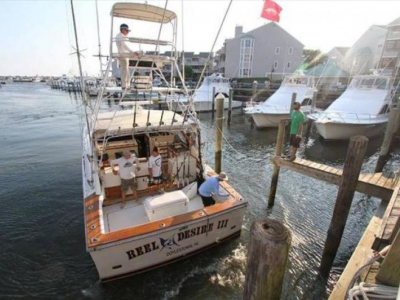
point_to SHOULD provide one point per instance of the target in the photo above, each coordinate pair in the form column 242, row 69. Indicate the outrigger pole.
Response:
column 98, row 37
column 78, row 54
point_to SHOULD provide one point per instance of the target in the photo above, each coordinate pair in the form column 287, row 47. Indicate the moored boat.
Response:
column 277, row 107
column 168, row 222
column 363, row 109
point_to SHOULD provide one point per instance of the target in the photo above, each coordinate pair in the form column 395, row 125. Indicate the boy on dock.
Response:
column 296, row 128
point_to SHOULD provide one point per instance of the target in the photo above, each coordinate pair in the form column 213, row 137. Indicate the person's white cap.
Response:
column 223, row 176
column 126, row 152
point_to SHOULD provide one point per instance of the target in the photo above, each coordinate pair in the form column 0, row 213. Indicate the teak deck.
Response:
column 375, row 184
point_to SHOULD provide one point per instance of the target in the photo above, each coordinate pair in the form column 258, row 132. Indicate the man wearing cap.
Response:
column 127, row 172
column 210, row 188
column 123, row 51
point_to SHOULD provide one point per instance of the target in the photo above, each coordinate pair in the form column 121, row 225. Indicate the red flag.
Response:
column 271, row 11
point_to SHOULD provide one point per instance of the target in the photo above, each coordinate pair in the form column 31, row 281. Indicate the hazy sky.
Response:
column 36, row 36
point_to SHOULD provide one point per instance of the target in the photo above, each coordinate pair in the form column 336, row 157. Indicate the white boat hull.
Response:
column 268, row 120
column 206, row 106
column 343, row 131
column 153, row 250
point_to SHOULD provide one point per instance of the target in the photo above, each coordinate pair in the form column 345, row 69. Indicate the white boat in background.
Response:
column 169, row 221
column 203, row 96
column 277, row 107
column 37, row 79
column 363, row 109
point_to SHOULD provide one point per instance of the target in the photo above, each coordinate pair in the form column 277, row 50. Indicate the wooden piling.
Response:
column 309, row 121
column 220, row 99
column 266, row 260
column 230, row 106
column 351, row 172
column 278, row 152
column 387, row 140
column 213, row 103
column 389, row 272
column 254, row 90
column 294, row 96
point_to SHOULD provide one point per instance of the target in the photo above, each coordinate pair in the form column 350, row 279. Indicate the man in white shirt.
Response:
column 123, row 51
column 155, row 166
column 127, row 172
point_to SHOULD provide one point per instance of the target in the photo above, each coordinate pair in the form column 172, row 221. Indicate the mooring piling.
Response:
column 278, row 152
column 230, row 106
column 389, row 272
column 387, row 140
column 220, row 99
column 266, row 260
column 351, row 171
column 213, row 103
column 310, row 121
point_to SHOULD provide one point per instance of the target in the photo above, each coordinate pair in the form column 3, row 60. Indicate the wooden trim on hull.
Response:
column 108, row 279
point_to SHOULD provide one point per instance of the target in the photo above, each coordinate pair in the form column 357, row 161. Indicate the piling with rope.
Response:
column 278, row 152
column 218, row 134
column 266, row 260
column 387, row 140
column 351, row 172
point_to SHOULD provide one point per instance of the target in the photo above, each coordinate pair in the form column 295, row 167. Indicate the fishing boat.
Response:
column 363, row 109
column 168, row 222
column 203, row 97
column 277, row 107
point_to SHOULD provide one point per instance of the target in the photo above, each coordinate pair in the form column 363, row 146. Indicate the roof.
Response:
column 342, row 50
column 270, row 24
column 327, row 71
column 144, row 12
column 394, row 22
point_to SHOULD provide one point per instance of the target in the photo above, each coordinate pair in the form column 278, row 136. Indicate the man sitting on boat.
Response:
column 155, row 167
column 127, row 172
column 124, row 51
column 296, row 129
column 210, row 188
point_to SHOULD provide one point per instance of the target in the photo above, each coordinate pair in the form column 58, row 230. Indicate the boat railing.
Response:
column 343, row 116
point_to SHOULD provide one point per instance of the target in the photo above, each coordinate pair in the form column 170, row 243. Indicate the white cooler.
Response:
column 166, row 205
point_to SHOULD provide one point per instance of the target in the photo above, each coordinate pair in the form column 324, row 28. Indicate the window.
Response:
column 392, row 45
column 275, row 65
column 288, row 65
column 277, row 50
column 246, row 57
column 384, row 109
column 290, row 50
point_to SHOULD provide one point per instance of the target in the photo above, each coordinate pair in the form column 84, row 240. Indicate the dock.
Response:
column 372, row 184
column 381, row 235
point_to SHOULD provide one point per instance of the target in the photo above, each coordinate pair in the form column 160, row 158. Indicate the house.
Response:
column 263, row 51
column 390, row 58
column 365, row 53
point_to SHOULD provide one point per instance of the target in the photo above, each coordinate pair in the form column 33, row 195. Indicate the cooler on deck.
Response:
column 166, row 205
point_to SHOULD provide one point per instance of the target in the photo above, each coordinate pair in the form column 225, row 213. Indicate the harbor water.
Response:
column 42, row 254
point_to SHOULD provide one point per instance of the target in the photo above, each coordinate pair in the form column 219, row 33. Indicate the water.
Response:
column 41, row 226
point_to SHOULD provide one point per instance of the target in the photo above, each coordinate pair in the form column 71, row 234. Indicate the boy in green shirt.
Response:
column 296, row 129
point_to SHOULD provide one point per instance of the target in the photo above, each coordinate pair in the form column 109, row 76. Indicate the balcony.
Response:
column 390, row 53
column 393, row 35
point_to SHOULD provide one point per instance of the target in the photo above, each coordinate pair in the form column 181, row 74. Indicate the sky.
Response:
column 36, row 37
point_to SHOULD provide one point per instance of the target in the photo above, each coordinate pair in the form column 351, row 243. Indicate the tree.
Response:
column 312, row 58
column 188, row 72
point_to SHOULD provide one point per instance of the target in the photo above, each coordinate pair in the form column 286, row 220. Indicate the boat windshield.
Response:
column 369, row 83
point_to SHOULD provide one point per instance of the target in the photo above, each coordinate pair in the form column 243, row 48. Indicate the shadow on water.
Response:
column 43, row 254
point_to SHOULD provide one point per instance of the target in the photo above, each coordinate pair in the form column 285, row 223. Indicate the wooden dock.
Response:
column 373, row 184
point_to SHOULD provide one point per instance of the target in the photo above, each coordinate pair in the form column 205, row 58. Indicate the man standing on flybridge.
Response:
column 124, row 51
column 127, row 172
